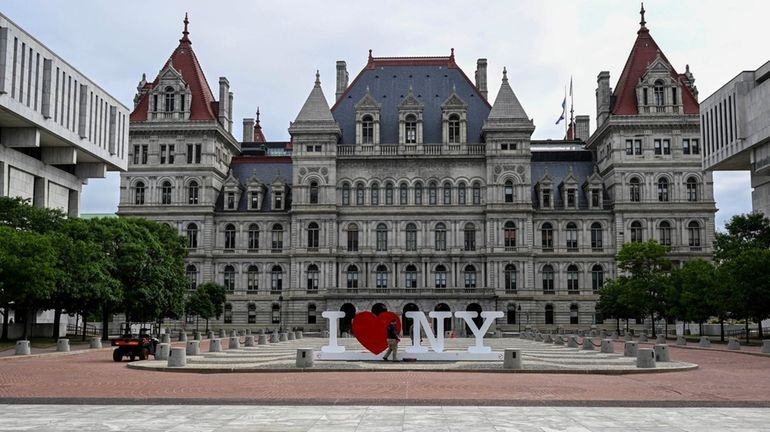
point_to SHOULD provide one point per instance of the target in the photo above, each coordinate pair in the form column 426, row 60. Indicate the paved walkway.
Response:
column 204, row 418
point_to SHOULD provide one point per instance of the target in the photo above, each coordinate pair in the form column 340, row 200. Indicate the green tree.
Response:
column 200, row 305
column 619, row 299
column 692, row 291
column 743, row 232
column 217, row 295
column 749, row 275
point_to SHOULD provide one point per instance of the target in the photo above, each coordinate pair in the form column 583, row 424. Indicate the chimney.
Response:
column 582, row 126
column 603, row 93
column 224, row 92
column 481, row 76
column 342, row 77
column 248, row 130
column 230, row 112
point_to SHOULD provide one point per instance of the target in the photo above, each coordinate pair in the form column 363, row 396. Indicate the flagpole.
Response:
column 565, row 112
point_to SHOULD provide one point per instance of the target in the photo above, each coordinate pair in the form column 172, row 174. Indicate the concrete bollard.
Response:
column 766, row 346
column 572, row 342
column 95, row 343
column 215, row 345
column 182, row 336
column 661, row 339
column 22, row 347
column 588, row 344
column 193, row 347
column 222, row 333
column 512, row 359
column 630, row 349
column 645, row 358
column 262, row 339
column 733, row 344
column 273, row 337
column 607, row 346
column 681, row 341
column 248, row 332
column 249, row 342
column 547, row 339
column 643, row 337
column 305, row 358
column 298, row 334
column 162, row 351
column 197, row 335
column 210, row 334
column 291, row 336
column 283, row 337
column 177, row 358
column 704, row 342
column 661, row 353
column 261, row 331
column 234, row 342
column 233, row 333
column 63, row 345
column 165, row 338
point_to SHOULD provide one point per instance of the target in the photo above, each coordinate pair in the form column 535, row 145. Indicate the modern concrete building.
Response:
column 57, row 127
column 735, row 130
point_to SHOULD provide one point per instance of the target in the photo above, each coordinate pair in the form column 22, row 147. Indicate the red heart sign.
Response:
column 372, row 330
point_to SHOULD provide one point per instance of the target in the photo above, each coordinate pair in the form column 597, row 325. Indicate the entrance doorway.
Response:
column 474, row 307
column 346, row 323
column 379, row 308
column 443, row 307
column 407, row 323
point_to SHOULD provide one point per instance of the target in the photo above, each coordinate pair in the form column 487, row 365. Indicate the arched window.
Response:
column 663, row 189
column 410, row 276
column 360, row 194
column 192, row 276
column 228, row 315
column 440, row 276
column 418, row 193
column 192, row 236
column 192, row 192
column 352, row 276
column 388, row 193
column 411, row 237
column 382, row 237
column 573, row 314
column 403, row 194
column 410, row 128
column 510, row 278
column 352, row 238
column 469, row 237
column 311, row 314
column 139, row 193
column 597, row 278
column 253, row 237
column 381, row 277
column 637, row 232
column 549, row 314
column 312, row 278
column 548, row 287
column 313, row 193
column 252, row 313
column 596, row 236
column 277, row 238
column 440, row 237
column 469, row 274
column 447, row 192
column 276, row 280
column 573, row 286
column 508, row 191
column 546, row 234
column 275, row 314
column 476, row 193
column 367, row 130
column 635, row 190
column 432, row 191
column 509, row 235
column 660, row 99
column 572, row 242
column 664, row 232
column 692, row 189
column 230, row 236
column 510, row 314
column 693, row 229
column 169, row 99
column 165, row 192
column 346, row 194
column 229, row 278
column 454, row 129
column 252, row 278
column 375, row 194
column 461, row 194
column 312, row 236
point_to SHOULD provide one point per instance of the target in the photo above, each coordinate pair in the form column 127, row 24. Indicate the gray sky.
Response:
column 270, row 51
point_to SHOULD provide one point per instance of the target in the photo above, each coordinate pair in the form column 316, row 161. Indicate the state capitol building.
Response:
column 414, row 191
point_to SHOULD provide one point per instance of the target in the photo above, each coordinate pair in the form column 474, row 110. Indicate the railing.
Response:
column 410, row 149
column 412, row 291
column 91, row 329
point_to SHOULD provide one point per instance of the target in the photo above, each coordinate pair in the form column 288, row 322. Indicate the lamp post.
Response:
column 280, row 314
column 518, row 318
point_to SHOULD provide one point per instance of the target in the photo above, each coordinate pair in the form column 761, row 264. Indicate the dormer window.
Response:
column 454, row 112
column 277, row 200
column 231, row 200
column 546, row 198
column 410, row 119
column 571, row 198
column 253, row 201
column 410, row 127
column 168, row 105
column 367, row 120
column 454, row 129
column 595, row 198
column 660, row 99
column 367, row 130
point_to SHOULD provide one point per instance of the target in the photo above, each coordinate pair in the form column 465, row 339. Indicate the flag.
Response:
column 563, row 108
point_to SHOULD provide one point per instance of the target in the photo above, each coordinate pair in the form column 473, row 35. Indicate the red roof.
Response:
column 258, row 135
column 643, row 53
column 183, row 59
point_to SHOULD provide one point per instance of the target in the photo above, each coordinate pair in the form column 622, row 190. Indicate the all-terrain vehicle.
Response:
column 133, row 347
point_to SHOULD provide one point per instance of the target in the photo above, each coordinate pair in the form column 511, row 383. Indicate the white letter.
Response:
column 333, row 317
column 436, row 340
column 479, row 333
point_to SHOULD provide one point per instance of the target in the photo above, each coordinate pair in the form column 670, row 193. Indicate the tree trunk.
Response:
column 28, row 323
column 207, row 325
column 6, row 312
column 618, row 324
column 105, row 324
column 760, row 333
column 652, row 320
column 665, row 327
column 56, row 323
column 85, row 326
column 721, row 329
column 700, row 328
column 627, row 321
column 747, row 331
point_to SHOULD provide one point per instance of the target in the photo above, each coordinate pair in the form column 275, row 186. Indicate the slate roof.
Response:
column 315, row 108
column 507, row 105
column 266, row 169
column 557, row 164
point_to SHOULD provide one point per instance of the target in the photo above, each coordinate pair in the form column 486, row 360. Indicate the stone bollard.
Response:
column 291, row 336
column 766, row 346
column 210, row 334
column 177, row 358
column 512, row 359
column 607, row 346
column 193, row 347
column 234, row 342
column 325, row 333
column 182, row 336
column 594, row 333
column 298, row 334
column 197, row 335
column 733, row 344
column 222, row 333
column 165, row 338
column 22, row 347
column 273, row 337
column 661, row 353
column 643, row 337
column 162, row 351
column 63, row 345
column 588, row 344
column 305, row 358
column 558, row 340
column 661, row 339
column 680, row 340
column 95, row 343
column 572, row 342
column 249, row 341
column 233, row 333
column 283, row 337
column 262, row 339
column 548, row 339
column 261, row 331
column 630, row 349
column 645, row 358
column 248, row 332
column 215, row 345
column 704, row 342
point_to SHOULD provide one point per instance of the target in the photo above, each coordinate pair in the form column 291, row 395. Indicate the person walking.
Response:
column 392, row 341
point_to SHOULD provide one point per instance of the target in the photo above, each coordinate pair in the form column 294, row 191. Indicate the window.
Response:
column 360, row 194
column 193, row 153
column 410, row 276
column 440, row 237
column 510, row 316
column 403, row 194
column 277, row 240
column 381, row 277
column 382, row 237
column 253, row 237
column 636, row 232
column 508, row 191
column 312, row 236
column 597, row 278
column 693, row 229
column 476, row 194
column 635, row 190
column 685, row 146
column 346, row 194
column 596, row 235
column 571, row 198
column 352, row 276
column 165, row 192
column 375, row 194
column 546, row 198
column 139, row 193
column 509, row 236
column 192, row 276
column 572, row 279
column 275, row 317
column 629, row 147
column 231, row 200
column 510, row 278
column 447, row 192
column 276, row 280
column 277, row 200
column 656, row 144
column 411, row 237
column 352, row 238
column 440, row 277
column 313, row 193
column 469, row 237
column 388, row 193
column 168, row 105
column 470, row 277
column 664, row 232
column 311, row 314
column 230, row 236
column 549, row 314
column 410, row 127
column 367, row 130
column 548, row 279
column 432, row 190
column 312, row 277
column 192, row 192
column 461, row 194
column 695, row 148
column 659, row 99
column 162, row 154
column 418, row 193
column 252, row 278
column 229, row 278
column 692, row 189
column 252, row 313
column 637, row 147
column 192, row 236
column 228, row 316
column 546, row 232
column 573, row 314
column 572, row 243
column 663, row 190
column 454, row 129
column 596, row 198
column 666, row 144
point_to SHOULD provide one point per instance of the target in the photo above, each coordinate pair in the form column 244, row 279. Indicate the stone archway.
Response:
column 407, row 323
column 379, row 308
column 443, row 307
column 346, row 323
column 474, row 307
